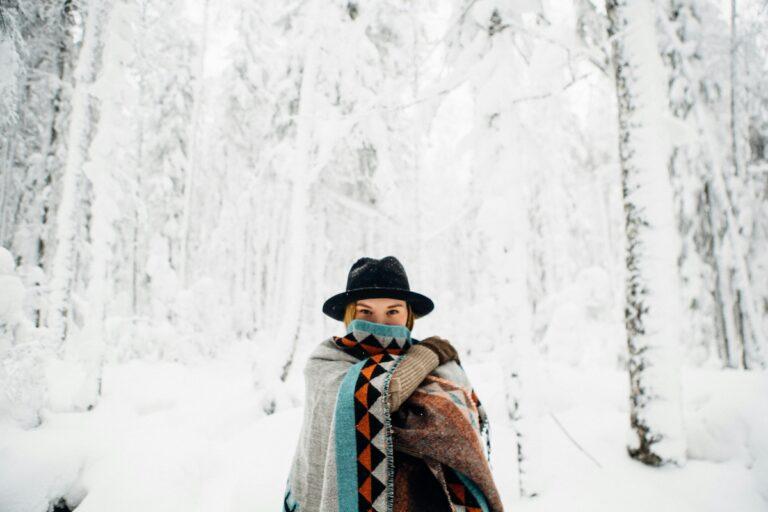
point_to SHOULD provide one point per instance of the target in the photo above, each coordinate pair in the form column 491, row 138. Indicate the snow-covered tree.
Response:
column 308, row 137
column 21, row 351
column 652, row 241
column 41, row 50
column 74, row 208
column 715, row 211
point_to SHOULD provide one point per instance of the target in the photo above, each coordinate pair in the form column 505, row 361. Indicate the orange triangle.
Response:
column 365, row 427
column 368, row 371
column 362, row 394
column 365, row 457
column 365, row 489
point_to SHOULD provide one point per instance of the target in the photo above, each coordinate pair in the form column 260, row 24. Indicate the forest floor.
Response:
column 172, row 437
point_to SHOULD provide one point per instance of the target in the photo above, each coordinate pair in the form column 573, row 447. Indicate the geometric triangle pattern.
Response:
column 465, row 400
column 462, row 498
column 371, row 345
column 371, row 446
column 375, row 466
column 375, row 469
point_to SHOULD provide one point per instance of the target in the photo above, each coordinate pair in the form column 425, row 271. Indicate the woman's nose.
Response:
column 379, row 318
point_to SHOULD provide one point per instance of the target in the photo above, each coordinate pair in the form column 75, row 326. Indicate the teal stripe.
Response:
column 476, row 492
column 346, row 445
column 377, row 329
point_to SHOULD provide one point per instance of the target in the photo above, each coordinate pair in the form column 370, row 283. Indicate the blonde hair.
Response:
column 350, row 311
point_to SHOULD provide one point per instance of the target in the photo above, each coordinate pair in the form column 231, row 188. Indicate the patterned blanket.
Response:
column 345, row 460
column 439, row 426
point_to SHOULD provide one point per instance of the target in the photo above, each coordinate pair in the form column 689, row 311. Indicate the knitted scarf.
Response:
column 345, row 458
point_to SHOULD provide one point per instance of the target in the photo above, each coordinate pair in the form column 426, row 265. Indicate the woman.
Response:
column 390, row 423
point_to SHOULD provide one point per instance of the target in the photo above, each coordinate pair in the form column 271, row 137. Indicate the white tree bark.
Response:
column 651, row 308
column 302, row 175
column 194, row 154
column 82, row 123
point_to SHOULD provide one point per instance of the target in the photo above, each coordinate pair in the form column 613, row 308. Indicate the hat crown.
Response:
column 387, row 272
column 372, row 278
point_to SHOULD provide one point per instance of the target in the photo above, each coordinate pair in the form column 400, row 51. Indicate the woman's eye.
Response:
column 394, row 311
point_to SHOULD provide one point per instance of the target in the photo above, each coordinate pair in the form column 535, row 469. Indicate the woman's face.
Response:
column 382, row 311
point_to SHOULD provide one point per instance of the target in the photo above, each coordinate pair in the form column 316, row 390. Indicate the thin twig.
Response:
column 574, row 441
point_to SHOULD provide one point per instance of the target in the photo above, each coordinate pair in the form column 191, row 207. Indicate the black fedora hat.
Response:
column 371, row 278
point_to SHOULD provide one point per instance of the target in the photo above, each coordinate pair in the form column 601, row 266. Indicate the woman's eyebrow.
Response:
column 363, row 304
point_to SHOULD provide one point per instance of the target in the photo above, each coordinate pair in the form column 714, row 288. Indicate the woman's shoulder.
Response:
column 325, row 349
column 328, row 351
column 326, row 363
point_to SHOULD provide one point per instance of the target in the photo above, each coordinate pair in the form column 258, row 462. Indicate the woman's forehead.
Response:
column 381, row 302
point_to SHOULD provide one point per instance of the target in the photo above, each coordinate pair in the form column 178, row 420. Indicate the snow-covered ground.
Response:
column 194, row 437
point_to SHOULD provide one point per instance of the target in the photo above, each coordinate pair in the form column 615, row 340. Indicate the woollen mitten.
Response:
column 442, row 347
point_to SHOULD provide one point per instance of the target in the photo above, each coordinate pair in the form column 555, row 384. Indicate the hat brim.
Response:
column 335, row 306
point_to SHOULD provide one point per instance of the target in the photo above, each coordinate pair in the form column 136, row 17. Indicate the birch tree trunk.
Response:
column 195, row 136
column 84, row 119
column 302, row 175
column 652, row 243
